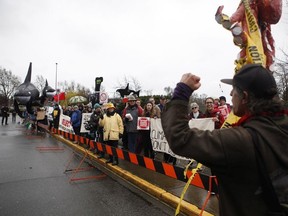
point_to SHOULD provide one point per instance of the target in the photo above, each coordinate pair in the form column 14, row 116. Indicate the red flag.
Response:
column 125, row 100
column 59, row 97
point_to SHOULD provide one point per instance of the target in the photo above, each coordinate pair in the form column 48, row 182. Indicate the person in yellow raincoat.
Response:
column 113, row 130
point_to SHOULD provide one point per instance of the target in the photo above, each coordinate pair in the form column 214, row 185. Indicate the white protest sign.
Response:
column 103, row 97
column 85, row 119
column 159, row 142
column 224, row 111
column 49, row 111
column 202, row 124
column 143, row 123
column 65, row 124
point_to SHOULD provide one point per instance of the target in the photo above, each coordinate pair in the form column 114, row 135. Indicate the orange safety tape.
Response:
column 200, row 180
column 169, row 170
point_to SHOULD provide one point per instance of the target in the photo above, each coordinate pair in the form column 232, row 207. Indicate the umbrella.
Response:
column 77, row 99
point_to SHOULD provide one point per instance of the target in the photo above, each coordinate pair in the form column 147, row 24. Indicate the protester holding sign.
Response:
column 130, row 116
column 224, row 107
column 145, row 140
column 93, row 123
column 233, row 153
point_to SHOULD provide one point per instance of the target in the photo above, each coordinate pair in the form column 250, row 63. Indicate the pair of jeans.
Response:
column 132, row 141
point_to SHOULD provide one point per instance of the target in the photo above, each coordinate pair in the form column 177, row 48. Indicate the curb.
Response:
column 161, row 194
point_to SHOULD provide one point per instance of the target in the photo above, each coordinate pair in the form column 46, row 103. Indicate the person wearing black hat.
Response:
column 223, row 98
column 233, row 154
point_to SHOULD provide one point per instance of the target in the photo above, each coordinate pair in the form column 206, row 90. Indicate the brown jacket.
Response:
column 230, row 154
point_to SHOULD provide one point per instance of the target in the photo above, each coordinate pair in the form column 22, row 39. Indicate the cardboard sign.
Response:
column 103, row 98
column 143, row 123
column 224, row 111
column 159, row 142
column 85, row 119
column 65, row 124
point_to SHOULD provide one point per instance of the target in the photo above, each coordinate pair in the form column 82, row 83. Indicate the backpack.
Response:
column 271, row 197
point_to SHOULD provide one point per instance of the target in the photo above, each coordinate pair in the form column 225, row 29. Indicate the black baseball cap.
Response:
column 222, row 98
column 256, row 79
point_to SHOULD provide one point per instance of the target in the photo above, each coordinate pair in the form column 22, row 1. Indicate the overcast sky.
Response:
column 153, row 41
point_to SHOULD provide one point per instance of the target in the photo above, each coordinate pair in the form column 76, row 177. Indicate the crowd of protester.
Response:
column 112, row 123
column 215, row 108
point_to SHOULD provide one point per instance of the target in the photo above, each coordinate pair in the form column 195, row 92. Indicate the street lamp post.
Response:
column 56, row 83
column 56, row 78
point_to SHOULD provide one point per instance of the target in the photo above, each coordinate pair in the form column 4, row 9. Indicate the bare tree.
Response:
column 281, row 72
column 68, row 86
column 148, row 92
column 82, row 90
column 199, row 99
column 40, row 82
column 281, row 76
column 134, row 84
column 169, row 91
column 75, row 88
column 8, row 83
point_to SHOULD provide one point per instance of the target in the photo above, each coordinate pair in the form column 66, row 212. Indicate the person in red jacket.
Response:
column 214, row 113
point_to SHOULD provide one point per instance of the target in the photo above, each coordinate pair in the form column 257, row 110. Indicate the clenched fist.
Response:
column 191, row 80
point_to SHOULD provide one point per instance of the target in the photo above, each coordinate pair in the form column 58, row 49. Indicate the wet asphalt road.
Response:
column 34, row 182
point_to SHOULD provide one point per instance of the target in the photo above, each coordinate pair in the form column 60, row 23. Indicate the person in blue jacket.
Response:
column 76, row 120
